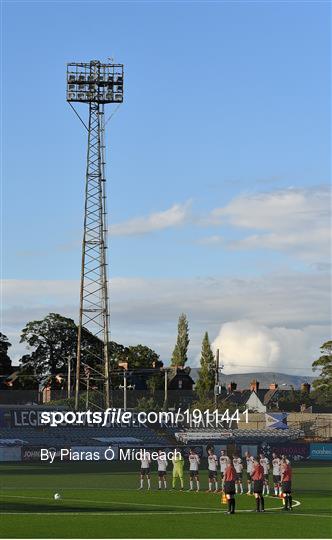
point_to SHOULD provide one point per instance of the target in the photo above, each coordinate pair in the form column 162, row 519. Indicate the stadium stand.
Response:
column 203, row 436
column 81, row 435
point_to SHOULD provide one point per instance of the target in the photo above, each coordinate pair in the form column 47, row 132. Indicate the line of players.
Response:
column 231, row 475
column 239, row 465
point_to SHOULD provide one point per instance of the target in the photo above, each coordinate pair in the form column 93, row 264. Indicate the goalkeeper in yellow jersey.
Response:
column 178, row 464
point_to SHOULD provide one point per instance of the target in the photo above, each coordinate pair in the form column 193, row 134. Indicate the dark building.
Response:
column 179, row 379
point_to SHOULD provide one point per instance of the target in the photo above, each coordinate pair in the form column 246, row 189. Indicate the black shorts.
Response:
column 266, row 476
column 145, row 471
column 161, row 474
column 221, row 475
column 258, row 486
column 287, row 487
column 212, row 474
column 276, row 478
column 239, row 476
column 193, row 474
column 229, row 488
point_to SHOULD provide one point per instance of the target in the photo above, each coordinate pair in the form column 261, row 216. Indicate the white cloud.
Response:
column 174, row 216
column 277, row 209
column 247, row 346
column 296, row 221
column 311, row 246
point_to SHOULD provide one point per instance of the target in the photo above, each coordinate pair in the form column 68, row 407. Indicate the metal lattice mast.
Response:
column 95, row 84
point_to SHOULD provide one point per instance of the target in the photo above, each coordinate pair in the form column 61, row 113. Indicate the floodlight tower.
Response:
column 96, row 85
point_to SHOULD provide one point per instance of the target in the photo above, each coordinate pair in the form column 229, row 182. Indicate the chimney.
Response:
column 305, row 388
column 254, row 386
column 231, row 387
column 273, row 386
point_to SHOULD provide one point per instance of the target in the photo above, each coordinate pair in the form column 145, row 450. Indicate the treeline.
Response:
column 52, row 343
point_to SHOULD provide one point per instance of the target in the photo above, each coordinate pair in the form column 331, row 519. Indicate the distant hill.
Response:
column 265, row 378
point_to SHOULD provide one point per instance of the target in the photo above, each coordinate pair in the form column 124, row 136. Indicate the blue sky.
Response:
column 219, row 157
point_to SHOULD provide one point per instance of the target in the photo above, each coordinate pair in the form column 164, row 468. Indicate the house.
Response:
column 252, row 398
column 180, row 387
column 275, row 393
column 179, row 379
column 258, row 399
column 138, row 379
column 150, row 382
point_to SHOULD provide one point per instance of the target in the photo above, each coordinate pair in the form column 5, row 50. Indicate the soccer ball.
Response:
column 57, row 496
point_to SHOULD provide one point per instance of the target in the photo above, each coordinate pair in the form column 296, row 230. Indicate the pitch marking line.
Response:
column 113, row 502
column 205, row 510
column 134, row 514
column 105, row 513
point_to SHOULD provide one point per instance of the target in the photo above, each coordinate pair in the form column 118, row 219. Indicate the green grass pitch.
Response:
column 100, row 501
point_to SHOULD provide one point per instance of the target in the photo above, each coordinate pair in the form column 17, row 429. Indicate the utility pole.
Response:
column 216, row 385
column 87, row 374
column 165, row 390
column 124, row 390
column 68, row 377
column 125, row 387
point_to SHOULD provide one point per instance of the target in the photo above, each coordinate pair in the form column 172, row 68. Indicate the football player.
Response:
column 250, row 464
column 286, row 483
column 145, row 469
column 258, row 479
column 266, row 466
column 212, row 470
column 193, row 469
column 229, row 485
column 178, row 463
column 238, row 466
column 223, row 460
column 162, row 467
column 276, row 462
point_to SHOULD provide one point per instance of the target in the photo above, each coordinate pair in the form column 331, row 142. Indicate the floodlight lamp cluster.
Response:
column 95, row 82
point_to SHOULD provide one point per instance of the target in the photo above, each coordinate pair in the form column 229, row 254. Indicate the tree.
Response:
column 179, row 356
column 155, row 383
column 27, row 378
column 203, row 404
column 323, row 383
column 54, row 340
column 293, row 400
column 140, row 357
column 5, row 361
column 206, row 375
column 116, row 353
column 324, row 362
column 147, row 404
